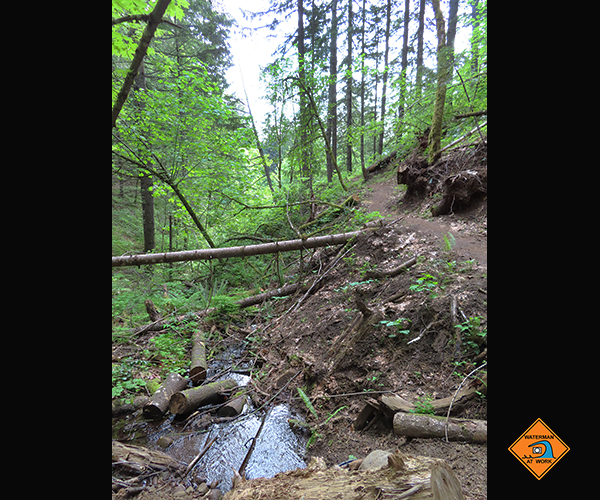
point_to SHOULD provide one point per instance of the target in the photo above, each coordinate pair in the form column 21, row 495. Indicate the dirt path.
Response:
column 469, row 228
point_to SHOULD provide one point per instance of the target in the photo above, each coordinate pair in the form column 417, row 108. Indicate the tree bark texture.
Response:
column 240, row 251
column 428, row 426
column 435, row 135
column 188, row 400
column 198, row 366
column 155, row 19
column 158, row 405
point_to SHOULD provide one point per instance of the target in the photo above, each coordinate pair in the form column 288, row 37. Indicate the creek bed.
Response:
column 278, row 448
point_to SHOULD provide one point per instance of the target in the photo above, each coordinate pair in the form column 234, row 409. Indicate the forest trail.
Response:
column 469, row 228
column 424, row 361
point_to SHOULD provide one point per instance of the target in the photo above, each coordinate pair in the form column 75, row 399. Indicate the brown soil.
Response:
column 382, row 360
column 298, row 338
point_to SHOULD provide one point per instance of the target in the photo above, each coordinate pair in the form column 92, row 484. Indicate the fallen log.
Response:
column 136, row 460
column 121, row 406
column 429, row 426
column 392, row 272
column 247, row 302
column 199, row 365
column 233, row 407
column 188, row 400
column 158, row 405
column 403, row 477
column 392, row 403
column 240, row 251
column 383, row 162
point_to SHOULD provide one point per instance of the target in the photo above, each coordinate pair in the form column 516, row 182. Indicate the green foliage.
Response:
column 307, row 402
column 426, row 283
column 171, row 350
column 472, row 333
column 449, row 242
column 398, row 324
column 423, row 405
column 126, row 378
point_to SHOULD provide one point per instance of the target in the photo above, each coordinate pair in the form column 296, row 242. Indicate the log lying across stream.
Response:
column 158, row 405
column 190, row 399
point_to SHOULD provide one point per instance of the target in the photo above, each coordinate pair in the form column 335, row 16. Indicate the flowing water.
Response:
column 277, row 449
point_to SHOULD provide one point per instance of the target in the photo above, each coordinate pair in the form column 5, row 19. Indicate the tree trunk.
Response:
column 190, row 399
column 198, row 366
column 452, row 22
column 155, row 19
column 304, row 116
column 385, row 72
column 435, row 135
column 404, row 60
column 420, row 31
column 307, row 92
column 191, row 212
column 345, row 343
column 349, row 92
column 332, row 104
column 146, row 179
column 362, row 91
column 240, row 251
column 428, row 426
column 158, row 405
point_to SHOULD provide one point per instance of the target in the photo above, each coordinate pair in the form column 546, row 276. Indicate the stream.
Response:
column 278, row 448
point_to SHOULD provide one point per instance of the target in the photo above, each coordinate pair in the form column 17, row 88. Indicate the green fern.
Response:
column 307, row 402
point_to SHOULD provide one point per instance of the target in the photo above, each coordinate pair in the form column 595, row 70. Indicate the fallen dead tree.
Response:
column 247, row 302
column 158, row 405
column 392, row 403
column 392, row 272
column 136, row 460
column 404, row 477
column 240, row 251
column 429, row 426
column 188, row 400
column 199, row 365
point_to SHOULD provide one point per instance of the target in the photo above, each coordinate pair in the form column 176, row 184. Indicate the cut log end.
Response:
column 190, row 399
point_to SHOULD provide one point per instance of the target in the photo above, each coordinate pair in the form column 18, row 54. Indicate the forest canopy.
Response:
column 352, row 82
